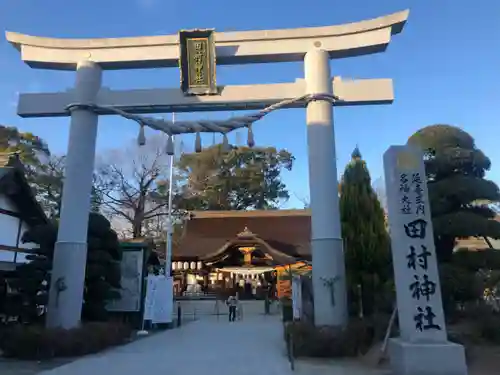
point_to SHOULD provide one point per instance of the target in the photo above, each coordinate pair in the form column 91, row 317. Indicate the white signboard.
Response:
column 149, row 301
column 131, row 283
column 420, row 308
column 297, row 297
column 163, row 300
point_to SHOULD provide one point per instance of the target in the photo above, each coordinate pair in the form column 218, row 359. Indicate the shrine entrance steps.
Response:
column 194, row 309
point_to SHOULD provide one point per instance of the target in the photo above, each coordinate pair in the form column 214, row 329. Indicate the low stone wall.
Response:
column 198, row 307
column 204, row 307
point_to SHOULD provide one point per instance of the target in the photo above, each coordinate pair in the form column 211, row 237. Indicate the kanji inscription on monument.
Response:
column 419, row 303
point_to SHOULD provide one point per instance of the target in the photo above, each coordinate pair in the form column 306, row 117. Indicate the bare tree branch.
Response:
column 305, row 201
column 128, row 178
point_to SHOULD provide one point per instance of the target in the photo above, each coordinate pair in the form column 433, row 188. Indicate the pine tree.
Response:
column 459, row 194
column 102, row 276
column 366, row 241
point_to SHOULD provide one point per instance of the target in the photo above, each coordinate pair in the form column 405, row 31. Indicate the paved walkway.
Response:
column 209, row 346
column 205, row 347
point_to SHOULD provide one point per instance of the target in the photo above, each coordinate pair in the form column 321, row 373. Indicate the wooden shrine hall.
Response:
column 224, row 252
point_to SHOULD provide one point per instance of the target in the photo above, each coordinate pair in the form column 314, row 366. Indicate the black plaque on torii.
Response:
column 197, row 61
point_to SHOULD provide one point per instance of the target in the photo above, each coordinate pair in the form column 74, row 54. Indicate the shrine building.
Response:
column 19, row 211
column 249, row 252
column 223, row 252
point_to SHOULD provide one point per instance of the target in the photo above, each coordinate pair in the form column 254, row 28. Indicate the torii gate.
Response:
column 315, row 46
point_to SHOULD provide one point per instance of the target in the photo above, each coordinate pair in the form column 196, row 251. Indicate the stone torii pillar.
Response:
column 315, row 46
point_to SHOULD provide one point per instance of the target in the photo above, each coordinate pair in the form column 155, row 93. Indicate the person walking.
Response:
column 239, row 308
column 232, row 302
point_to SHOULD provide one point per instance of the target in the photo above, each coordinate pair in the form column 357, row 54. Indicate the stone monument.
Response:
column 314, row 46
column 422, row 348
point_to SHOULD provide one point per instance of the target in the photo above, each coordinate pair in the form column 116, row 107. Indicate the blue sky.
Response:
column 445, row 66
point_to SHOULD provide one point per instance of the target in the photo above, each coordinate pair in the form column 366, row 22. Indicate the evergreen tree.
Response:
column 366, row 241
column 459, row 193
column 32, row 149
column 102, row 273
column 240, row 179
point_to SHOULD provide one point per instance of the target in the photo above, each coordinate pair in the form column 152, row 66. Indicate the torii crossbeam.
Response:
column 233, row 48
column 231, row 98
column 315, row 46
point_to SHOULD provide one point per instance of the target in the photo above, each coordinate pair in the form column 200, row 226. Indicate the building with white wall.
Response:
column 19, row 210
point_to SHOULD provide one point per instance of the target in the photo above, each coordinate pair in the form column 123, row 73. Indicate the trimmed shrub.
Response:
column 287, row 309
column 487, row 323
column 330, row 342
column 37, row 342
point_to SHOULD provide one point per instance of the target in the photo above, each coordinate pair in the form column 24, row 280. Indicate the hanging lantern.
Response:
column 225, row 143
column 174, row 266
column 199, row 265
column 250, row 138
column 170, row 146
column 186, row 266
column 193, row 265
column 197, row 142
column 179, row 265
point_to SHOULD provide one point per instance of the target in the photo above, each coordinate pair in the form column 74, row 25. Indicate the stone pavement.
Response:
column 208, row 347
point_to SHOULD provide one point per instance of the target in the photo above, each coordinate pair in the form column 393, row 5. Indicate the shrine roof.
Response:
column 286, row 231
column 248, row 214
column 10, row 160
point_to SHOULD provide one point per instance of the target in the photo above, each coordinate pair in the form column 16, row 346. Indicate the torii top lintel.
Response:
column 352, row 39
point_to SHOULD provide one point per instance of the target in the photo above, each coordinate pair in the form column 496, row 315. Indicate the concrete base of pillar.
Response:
column 66, row 295
column 427, row 358
column 327, row 264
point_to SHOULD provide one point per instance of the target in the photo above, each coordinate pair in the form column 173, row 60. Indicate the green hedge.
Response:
column 330, row 342
column 287, row 311
column 37, row 342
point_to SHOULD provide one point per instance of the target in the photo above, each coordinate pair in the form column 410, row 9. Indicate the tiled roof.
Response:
column 288, row 231
column 13, row 184
column 4, row 160
column 9, row 159
column 476, row 243
column 247, row 214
